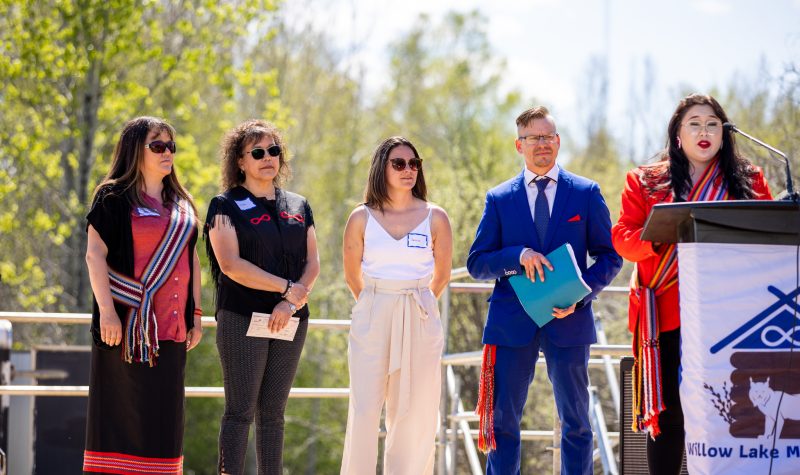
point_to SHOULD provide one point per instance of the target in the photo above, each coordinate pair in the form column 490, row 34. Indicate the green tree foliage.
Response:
column 73, row 73
column 774, row 117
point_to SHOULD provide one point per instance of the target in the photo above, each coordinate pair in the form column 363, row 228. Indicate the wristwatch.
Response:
column 292, row 306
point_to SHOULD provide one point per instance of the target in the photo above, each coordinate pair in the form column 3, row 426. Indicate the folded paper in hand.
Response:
column 259, row 327
column 562, row 287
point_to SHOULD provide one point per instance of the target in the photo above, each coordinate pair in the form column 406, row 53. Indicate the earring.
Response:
column 679, row 142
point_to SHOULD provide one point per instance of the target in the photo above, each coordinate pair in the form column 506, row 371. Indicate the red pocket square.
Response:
column 574, row 219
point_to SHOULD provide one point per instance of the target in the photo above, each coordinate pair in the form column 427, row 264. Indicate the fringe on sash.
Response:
column 648, row 400
column 485, row 407
column 140, row 344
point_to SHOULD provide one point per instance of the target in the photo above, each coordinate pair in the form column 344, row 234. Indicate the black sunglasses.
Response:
column 159, row 146
column 400, row 164
column 258, row 153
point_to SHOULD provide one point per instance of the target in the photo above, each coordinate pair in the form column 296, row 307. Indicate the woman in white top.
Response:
column 397, row 252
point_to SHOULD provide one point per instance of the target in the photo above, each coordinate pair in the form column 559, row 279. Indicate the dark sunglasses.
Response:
column 159, row 146
column 400, row 164
column 258, row 153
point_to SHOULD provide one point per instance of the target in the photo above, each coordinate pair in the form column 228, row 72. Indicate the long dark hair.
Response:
column 736, row 169
column 376, row 193
column 232, row 149
column 126, row 166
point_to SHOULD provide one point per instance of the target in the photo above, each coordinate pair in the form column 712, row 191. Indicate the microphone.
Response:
column 790, row 194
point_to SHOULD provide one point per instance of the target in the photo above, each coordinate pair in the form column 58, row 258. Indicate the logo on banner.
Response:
column 762, row 400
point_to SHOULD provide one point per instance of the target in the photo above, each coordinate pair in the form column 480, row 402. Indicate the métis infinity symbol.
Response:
column 782, row 336
column 260, row 219
column 297, row 217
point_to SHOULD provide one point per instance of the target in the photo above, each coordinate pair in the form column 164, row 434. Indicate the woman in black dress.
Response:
column 143, row 270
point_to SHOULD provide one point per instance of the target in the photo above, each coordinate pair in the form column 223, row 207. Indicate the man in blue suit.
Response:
column 525, row 218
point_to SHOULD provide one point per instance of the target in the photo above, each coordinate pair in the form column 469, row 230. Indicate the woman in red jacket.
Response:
column 700, row 162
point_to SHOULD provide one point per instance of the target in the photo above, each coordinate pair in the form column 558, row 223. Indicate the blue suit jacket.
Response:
column 506, row 228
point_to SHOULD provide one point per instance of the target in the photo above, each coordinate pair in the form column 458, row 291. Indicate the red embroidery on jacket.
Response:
column 260, row 219
column 297, row 217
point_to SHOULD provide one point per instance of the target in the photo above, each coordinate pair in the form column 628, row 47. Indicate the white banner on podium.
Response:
column 738, row 325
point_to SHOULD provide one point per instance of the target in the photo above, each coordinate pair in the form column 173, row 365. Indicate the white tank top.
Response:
column 407, row 258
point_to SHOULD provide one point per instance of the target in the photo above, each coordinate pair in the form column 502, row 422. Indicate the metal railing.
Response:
column 454, row 419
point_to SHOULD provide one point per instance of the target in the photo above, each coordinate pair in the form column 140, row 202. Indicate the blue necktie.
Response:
column 541, row 210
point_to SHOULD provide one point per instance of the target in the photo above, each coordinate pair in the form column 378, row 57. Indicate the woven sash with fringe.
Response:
column 647, row 398
column 485, row 407
column 140, row 343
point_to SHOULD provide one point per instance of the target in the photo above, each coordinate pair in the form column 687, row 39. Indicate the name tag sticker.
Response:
column 141, row 212
column 245, row 204
column 417, row 240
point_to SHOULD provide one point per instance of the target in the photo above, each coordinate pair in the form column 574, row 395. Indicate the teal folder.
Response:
column 562, row 287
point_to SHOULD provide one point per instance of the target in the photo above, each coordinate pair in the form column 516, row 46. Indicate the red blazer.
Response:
column 626, row 234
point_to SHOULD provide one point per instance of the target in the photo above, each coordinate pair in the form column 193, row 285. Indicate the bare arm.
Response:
column 226, row 249
column 353, row 250
column 96, row 253
column 442, row 236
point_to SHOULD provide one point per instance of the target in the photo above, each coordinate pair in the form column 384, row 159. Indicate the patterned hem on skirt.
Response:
column 109, row 462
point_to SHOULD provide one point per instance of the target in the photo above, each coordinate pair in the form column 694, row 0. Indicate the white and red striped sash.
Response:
column 140, row 343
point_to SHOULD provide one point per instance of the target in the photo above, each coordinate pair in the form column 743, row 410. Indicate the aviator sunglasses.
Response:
column 258, row 153
column 400, row 164
column 159, row 146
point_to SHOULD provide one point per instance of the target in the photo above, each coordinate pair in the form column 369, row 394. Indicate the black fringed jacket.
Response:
column 271, row 235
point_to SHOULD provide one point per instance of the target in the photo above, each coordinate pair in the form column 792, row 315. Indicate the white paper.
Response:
column 259, row 327
column 245, row 204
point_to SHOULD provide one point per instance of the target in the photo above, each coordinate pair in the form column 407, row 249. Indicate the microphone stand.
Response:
column 790, row 193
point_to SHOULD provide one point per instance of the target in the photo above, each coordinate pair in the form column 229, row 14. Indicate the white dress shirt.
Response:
column 533, row 191
column 549, row 191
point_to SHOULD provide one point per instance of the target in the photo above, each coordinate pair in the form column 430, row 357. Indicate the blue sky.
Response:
column 548, row 45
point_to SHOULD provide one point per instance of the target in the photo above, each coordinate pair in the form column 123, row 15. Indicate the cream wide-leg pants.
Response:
column 395, row 349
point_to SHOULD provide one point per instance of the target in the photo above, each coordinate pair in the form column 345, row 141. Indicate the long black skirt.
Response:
column 135, row 416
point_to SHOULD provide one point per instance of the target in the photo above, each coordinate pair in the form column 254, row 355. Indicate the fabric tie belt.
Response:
column 416, row 301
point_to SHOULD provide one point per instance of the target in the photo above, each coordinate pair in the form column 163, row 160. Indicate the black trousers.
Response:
column 257, row 375
column 664, row 455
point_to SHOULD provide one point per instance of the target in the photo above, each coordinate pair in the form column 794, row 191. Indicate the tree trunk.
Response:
column 87, row 124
